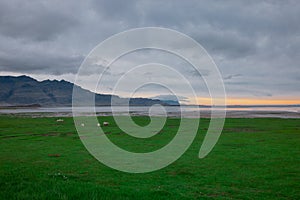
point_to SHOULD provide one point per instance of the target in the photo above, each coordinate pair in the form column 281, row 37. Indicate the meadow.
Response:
column 41, row 158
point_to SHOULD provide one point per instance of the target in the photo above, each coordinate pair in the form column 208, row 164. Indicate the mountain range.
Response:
column 26, row 91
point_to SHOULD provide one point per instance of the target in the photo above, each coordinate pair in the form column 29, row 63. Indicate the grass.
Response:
column 254, row 159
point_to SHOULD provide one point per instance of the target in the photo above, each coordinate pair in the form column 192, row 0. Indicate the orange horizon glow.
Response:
column 248, row 101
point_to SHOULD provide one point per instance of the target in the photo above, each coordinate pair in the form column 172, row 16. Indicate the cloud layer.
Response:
column 256, row 45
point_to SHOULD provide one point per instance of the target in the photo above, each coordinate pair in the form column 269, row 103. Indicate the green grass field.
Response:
column 254, row 159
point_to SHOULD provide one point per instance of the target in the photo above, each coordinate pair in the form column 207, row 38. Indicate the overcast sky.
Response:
column 256, row 45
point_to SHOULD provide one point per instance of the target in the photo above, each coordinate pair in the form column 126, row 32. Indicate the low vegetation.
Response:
column 41, row 158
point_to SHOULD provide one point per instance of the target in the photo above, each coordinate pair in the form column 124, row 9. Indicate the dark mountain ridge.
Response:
column 24, row 90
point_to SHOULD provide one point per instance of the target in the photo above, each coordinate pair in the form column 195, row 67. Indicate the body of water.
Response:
column 188, row 111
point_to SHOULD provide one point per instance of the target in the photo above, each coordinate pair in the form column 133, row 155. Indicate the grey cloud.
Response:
column 37, row 20
column 120, row 11
column 171, row 97
column 258, row 39
column 261, row 94
column 197, row 73
column 231, row 76
column 37, row 59
column 225, row 43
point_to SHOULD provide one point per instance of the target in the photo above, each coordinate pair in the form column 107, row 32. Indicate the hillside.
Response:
column 24, row 90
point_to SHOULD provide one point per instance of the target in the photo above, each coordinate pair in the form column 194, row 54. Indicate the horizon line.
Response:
column 250, row 102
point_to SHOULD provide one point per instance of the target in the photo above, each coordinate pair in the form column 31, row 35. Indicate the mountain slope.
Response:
column 24, row 90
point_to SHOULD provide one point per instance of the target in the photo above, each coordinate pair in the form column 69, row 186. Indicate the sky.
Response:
column 255, row 44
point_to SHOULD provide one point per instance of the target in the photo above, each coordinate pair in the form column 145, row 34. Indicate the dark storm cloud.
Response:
column 35, row 20
column 36, row 58
column 258, row 39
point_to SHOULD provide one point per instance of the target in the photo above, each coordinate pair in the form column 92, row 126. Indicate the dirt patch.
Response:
column 38, row 134
column 173, row 126
column 56, row 134
column 48, row 134
column 241, row 130
column 54, row 155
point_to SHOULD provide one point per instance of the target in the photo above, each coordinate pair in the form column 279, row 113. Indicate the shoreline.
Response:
column 203, row 114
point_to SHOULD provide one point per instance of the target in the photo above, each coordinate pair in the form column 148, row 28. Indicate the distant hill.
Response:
column 24, row 90
column 171, row 100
